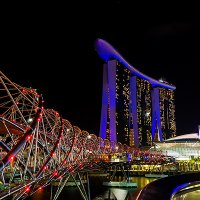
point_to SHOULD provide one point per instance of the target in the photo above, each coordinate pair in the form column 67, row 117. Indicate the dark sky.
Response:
column 51, row 47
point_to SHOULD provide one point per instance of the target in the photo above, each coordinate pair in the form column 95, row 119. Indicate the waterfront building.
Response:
column 136, row 109
column 183, row 147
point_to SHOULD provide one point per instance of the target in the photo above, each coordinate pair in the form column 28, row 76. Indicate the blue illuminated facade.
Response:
column 136, row 108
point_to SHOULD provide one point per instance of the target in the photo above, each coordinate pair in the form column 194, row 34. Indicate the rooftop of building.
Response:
column 191, row 137
column 108, row 52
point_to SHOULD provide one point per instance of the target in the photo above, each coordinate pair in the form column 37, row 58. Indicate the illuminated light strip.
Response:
column 59, row 168
column 138, row 195
column 44, row 166
column 13, row 152
column 184, row 187
column 108, row 52
column 176, row 189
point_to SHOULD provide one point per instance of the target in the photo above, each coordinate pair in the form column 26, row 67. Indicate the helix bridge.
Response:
column 38, row 146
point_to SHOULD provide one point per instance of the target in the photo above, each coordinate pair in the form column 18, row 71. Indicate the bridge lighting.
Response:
column 55, row 173
column 28, row 137
column 40, row 188
column 27, row 189
column 89, row 136
column 30, row 120
column 11, row 158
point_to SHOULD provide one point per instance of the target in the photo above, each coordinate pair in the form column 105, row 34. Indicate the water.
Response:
column 123, row 193
column 98, row 192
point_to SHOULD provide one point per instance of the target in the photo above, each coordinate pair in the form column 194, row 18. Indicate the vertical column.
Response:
column 199, row 131
column 112, row 98
column 104, row 105
column 156, row 122
column 133, row 93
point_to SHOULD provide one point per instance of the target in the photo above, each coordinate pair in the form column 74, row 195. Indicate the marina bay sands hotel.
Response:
column 136, row 109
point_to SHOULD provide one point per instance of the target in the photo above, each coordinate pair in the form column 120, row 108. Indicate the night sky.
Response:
column 51, row 47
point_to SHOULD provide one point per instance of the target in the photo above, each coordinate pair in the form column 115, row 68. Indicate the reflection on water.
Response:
column 142, row 181
column 194, row 195
column 116, row 194
column 69, row 193
column 122, row 193
column 98, row 192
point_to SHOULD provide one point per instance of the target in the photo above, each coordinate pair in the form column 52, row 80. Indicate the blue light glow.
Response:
column 176, row 189
column 107, row 52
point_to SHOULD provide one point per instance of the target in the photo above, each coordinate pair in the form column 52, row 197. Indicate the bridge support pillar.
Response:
column 88, row 185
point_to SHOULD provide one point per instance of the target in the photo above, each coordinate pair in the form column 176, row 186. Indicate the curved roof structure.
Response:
column 184, row 138
column 108, row 52
column 183, row 147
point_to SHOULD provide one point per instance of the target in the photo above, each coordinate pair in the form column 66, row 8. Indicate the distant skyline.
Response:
column 47, row 48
